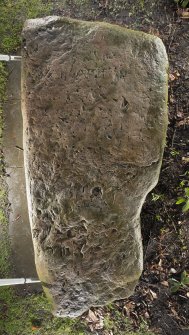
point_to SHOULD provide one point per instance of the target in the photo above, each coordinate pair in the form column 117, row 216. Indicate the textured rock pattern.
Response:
column 94, row 110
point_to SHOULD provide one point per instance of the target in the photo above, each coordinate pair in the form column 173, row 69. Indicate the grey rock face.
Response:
column 95, row 118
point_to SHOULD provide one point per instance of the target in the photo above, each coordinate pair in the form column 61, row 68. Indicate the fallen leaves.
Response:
column 184, row 122
column 183, row 13
column 128, row 308
column 165, row 283
column 185, row 159
column 153, row 294
column 95, row 320
column 174, row 76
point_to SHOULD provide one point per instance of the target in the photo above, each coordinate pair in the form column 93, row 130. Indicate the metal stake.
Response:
column 8, row 58
column 18, row 281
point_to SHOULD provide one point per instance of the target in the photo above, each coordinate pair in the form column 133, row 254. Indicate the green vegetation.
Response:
column 31, row 315
column 176, row 285
column 184, row 200
column 116, row 6
column 13, row 15
column 182, row 3
column 77, row 2
column 4, row 242
column 156, row 197
column 174, row 153
column 3, row 76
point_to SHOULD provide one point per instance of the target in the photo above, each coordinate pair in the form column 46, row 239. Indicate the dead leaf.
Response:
column 153, row 294
column 171, row 99
column 160, row 262
column 165, row 283
column 154, row 31
column 100, row 324
column 174, row 312
column 135, row 315
column 185, row 159
column 171, row 77
column 92, row 317
column 180, row 114
column 146, row 314
column 95, row 320
column 183, row 13
column 128, row 308
column 91, row 327
column 35, row 328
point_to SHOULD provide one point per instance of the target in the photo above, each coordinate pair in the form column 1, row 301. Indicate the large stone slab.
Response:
column 95, row 118
column 22, row 254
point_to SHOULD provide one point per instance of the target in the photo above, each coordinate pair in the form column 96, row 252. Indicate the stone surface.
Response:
column 22, row 255
column 95, row 117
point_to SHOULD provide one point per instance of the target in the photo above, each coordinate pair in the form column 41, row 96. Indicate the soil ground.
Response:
column 165, row 227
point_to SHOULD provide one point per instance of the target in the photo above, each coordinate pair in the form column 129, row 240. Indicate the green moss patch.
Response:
column 13, row 15
column 31, row 315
